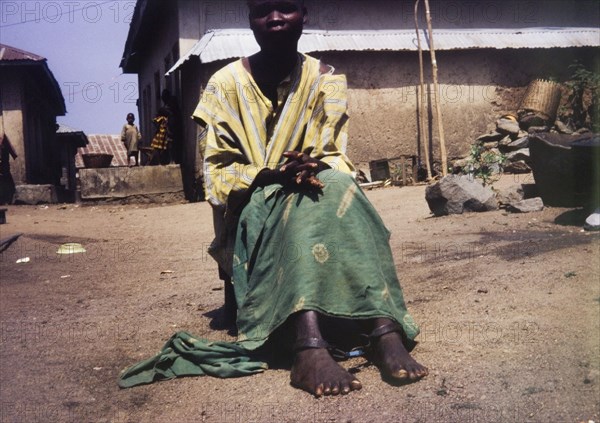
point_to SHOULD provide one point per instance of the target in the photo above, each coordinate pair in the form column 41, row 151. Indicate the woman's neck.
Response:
column 272, row 69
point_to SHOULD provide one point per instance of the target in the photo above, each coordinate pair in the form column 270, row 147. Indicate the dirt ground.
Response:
column 508, row 304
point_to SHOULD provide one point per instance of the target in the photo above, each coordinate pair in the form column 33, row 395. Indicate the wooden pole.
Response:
column 421, row 109
column 435, row 93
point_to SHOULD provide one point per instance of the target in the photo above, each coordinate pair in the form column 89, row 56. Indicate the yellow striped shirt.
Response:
column 245, row 133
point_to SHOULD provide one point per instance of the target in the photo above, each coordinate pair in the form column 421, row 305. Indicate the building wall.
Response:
column 399, row 14
column 43, row 160
column 12, row 117
column 194, row 77
column 157, row 57
column 476, row 87
column 191, row 27
column 451, row 14
column 30, row 125
column 143, row 182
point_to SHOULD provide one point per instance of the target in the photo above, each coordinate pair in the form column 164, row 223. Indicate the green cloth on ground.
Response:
column 294, row 251
column 185, row 355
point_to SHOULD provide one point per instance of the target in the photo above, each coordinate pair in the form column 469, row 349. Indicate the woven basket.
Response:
column 543, row 98
column 97, row 160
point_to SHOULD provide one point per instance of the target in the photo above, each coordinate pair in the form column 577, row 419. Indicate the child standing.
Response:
column 130, row 136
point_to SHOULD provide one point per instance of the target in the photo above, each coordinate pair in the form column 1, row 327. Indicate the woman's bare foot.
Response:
column 315, row 371
column 392, row 358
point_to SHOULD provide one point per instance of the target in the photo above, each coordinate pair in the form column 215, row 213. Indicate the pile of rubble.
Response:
column 510, row 141
column 563, row 162
column 457, row 194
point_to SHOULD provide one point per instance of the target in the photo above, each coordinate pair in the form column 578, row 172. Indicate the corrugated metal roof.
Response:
column 222, row 44
column 11, row 56
column 13, row 53
column 64, row 129
column 76, row 136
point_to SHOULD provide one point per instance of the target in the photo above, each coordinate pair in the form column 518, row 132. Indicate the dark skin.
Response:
column 277, row 26
column 130, row 120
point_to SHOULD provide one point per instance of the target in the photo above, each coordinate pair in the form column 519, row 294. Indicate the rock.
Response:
column 530, row 120
column 527, row 206
column 507, row 126
column 495, row 168
column 592, row 222
column 456, row 194
column 492, row 136
column 519, row 143
column 536, row 129
column 504, row 142
column 517, row 167
column 561, row 128
column 592, row 377
column 515, row 156
column 460, row 164
column 511, row 195
column 490, row 145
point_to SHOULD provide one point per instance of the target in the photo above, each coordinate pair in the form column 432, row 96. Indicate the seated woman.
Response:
column 294, row 231
column 306, row 241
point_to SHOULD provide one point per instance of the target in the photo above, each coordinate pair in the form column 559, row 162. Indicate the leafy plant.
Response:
column 485, row 164
column 584, row 87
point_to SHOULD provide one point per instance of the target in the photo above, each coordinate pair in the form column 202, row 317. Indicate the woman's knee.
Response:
column 333, row 176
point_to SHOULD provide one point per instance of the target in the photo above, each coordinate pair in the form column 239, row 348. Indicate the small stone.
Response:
column 490, row 145
column 531, row 120
column 517, row 167
column 456, row 194
column 492, row 136
column 507, row 127
column 504, row 142
column 522, row 154
column 561, row 128
column 460, row 164
column 519, row 143
column 592, row 222
column 510, row 195
column 592, row 377
column 535, row 129
column 527, row 206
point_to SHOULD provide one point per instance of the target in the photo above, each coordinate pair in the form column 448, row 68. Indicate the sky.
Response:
column 83, row 42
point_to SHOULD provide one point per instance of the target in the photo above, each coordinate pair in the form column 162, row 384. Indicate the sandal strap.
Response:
column 382, row 330
column 305, row 343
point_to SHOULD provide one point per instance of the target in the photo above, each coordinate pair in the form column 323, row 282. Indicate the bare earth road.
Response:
column 509, row 307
